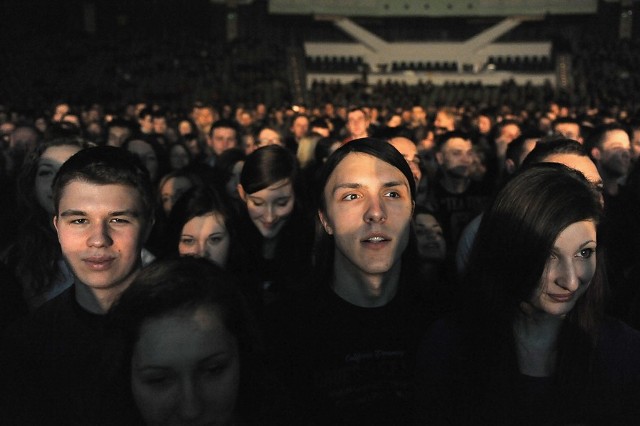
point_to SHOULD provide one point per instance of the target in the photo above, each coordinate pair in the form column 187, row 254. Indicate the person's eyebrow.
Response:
column 350, row 185
column 346, row 185
column 128, row 212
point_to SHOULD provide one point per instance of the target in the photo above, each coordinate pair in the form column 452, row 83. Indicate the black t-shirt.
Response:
column 347, row 364
column 53, row 363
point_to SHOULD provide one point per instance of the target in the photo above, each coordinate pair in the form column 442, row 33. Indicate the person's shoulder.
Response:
column 614, row 332
column 43, row 319
column 619, row 348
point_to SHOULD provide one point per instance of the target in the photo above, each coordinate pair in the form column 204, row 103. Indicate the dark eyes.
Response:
column 586, row 253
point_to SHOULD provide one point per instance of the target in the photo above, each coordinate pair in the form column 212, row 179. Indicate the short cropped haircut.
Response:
column 105, row 165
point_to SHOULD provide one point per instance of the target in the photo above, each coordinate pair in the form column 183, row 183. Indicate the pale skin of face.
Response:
column 431, row 242
column 185, row 369
column 223, row 138
column 569, row 270
column 357, row 124
column 613, row 157
column 567, row 275
column 569, row 130
column 409, row 151
column 101, row 230
column 269, row 137
column 368, row 213
column 205, row 236
column 270, row 207
column 48, row 165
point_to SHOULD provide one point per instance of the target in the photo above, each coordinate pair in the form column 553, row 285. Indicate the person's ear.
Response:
column 509, row 166
column 325, row 223
column 439, row 158
column 241, row 193
column 55, row 222
column 595, row 153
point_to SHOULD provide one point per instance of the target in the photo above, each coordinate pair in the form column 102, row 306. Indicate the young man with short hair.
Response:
column 52, row 360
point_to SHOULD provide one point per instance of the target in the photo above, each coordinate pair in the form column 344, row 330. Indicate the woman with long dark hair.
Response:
column 34, row 259
column 531, row 344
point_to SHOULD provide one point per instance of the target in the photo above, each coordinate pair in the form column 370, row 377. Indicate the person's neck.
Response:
column 536, row 336
column 364, row 290
column 455, row 185
column 269, row 247
column 97, row 301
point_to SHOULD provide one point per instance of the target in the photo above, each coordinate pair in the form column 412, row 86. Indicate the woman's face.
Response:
column 48, row 165
column 178, row 157
column 270, row 208
column 171, row 191
column 185, row 369
column 205, row 236
column 431, row 243
column 569, row 270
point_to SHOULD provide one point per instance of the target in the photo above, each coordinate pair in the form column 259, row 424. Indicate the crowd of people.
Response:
column 335, row 263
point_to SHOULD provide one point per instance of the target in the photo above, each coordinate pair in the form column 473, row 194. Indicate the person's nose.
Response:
column 99, row 235
column 270, row 214
column 567, row 276
column 375, row 211
column 191, row 405
column 194, row 250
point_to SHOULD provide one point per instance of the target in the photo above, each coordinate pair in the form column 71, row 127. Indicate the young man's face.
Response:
column 368, row 212
column 357, row 124
column 223, row 138
column 101, row 229
column 455, row 157
column 614, row 153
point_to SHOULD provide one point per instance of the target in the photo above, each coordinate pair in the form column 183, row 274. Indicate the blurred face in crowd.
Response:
column 410, row 153
column 205, row 117
column 300, row 126
column 185, row 369
column 172, row 190
column 147, row 155
column 431, row 243
column 184, row 128
column 368, row 210
column 48, row 165
column 508, row 133
column 456, row 157
column 24, row 139
column 357, row 124
column 269, row 136
column 205, row 236
column 569, row 131
column 614, row 154
column 146, row 124
column 569, row 270
column 270, row 208
column 444, row 122
column 160, row 125
column 117, row 135
column 484, row 124
column 221, row 139
column 178, row 157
